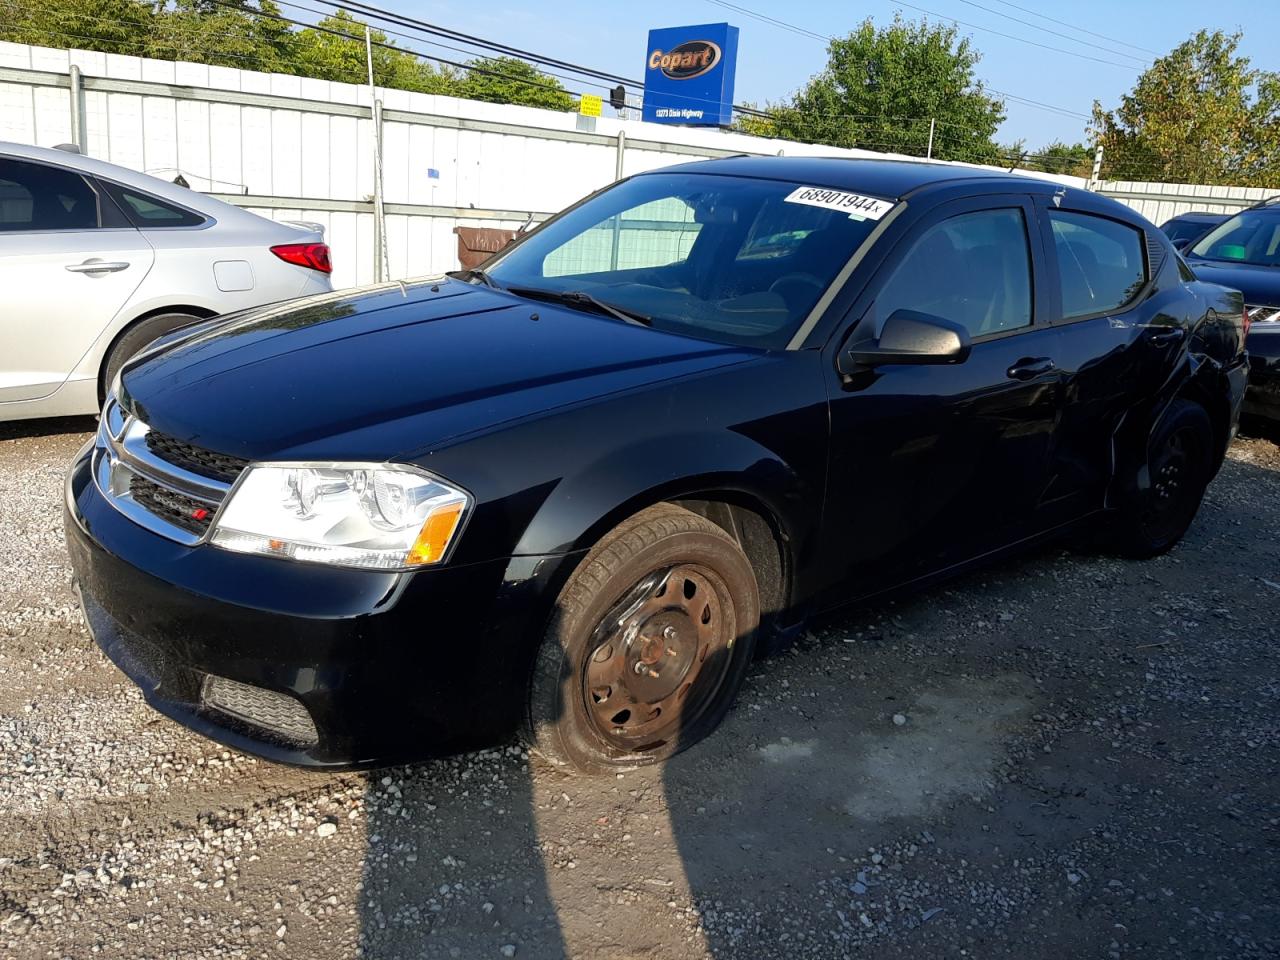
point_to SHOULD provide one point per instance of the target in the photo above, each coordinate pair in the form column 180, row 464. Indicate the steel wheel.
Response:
column 1175, row 491
column 659, row 656
column 649, row 643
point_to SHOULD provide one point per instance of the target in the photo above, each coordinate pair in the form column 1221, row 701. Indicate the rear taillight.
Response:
column 312, row 255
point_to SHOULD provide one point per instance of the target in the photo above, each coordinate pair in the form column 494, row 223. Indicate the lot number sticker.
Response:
column 857, row 206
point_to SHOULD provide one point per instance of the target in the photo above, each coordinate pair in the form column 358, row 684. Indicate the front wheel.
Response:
column 648, row 646
column 1179, row 467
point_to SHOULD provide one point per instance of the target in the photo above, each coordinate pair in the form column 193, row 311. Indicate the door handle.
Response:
column 1166, row 336
column 1029, row 368
column 98, row 266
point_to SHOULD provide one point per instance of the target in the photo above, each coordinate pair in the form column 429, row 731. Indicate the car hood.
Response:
column 392, row 370
column 1260, row 285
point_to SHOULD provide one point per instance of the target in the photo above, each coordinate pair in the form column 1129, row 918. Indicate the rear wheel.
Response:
column 1179, row 467
column 135, row 339
column 648, row 647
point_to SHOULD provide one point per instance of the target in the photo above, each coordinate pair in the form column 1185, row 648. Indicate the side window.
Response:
column 1100, row 262
column 38, row 197
column 148, row 211
column 653, row 234
column 973, row 269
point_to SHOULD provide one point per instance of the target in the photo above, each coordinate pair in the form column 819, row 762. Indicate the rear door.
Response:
column 68, row 263
column 1123, row 335
column 933, row 465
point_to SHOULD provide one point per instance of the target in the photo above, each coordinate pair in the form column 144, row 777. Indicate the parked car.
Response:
column 1244, row 253
column 97, row 261
column 578, row 490
column 1186, row 227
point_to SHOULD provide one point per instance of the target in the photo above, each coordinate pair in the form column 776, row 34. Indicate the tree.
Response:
column 509, row 80
column 881, row 87
column 1074, row 159
column 337, row 52
column 111, row 26
column 1200, row 114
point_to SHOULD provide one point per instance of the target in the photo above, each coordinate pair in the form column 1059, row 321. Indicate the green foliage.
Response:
column 1200, row 114
column 1074, row 159
column 880, row 88
column 202, row 31
column 112, row 26
column 508, row 80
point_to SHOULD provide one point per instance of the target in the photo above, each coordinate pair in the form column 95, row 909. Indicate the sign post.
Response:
column 689, row 73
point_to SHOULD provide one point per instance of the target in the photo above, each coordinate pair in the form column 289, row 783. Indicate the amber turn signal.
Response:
column 433, row 538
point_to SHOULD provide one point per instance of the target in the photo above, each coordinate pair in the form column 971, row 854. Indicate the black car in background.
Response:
column 576, row 492
column 1244, row 253
column 1186, row 227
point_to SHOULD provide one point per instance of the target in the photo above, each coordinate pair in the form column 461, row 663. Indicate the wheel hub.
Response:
column 650, row 653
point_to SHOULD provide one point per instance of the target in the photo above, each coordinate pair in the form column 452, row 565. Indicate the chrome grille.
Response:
column 276, row 713
column 173, row 499
column 217, row 466
column 1261, row 315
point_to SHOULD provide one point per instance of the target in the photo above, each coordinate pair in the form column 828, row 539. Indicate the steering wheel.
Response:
column 797, row 288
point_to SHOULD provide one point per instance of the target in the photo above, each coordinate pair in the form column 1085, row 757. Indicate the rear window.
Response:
column 146, row 210
column 1101, row 262
column 34, row 196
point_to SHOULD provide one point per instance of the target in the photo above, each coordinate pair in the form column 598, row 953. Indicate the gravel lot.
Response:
column 1066, row 756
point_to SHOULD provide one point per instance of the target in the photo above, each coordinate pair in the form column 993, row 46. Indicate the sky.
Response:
column 774, row 62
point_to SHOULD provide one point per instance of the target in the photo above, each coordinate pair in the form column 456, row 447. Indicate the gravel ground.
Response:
column 1064, row 756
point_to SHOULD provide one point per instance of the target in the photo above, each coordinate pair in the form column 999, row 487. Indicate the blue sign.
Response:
column 688, row 75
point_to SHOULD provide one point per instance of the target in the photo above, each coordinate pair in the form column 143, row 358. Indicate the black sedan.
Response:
column 575, row 493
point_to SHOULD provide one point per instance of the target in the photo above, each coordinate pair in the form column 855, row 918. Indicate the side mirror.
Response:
column 909, row 337
column 1181, row 243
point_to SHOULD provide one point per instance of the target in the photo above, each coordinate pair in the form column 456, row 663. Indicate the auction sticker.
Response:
column 855, row 205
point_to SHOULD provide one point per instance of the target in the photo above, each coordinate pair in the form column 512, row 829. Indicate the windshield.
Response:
column 730, row 259
column 1249, row 237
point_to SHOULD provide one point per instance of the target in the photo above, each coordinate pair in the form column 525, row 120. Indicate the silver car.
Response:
column 97, row 261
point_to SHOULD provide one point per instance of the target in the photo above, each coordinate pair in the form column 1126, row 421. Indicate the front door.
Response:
column 931, row 465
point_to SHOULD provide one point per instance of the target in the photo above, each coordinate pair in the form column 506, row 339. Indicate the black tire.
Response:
column 135, row 339
column 668, row 693
column 1179, row 467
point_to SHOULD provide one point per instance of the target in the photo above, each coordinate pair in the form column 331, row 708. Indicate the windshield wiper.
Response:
column 474, row 274
column 580, row 298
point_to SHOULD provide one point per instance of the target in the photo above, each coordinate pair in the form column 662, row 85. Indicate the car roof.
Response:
column 183, row 196
column 882, row 178
column 1200, row 215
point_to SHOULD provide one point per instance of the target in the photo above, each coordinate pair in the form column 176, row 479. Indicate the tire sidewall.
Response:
column 558, row 708
column 1181, row 414
column 136, row 338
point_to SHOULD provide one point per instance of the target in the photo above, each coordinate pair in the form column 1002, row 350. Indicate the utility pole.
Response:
column 929, row 154
column 1095, row 178
column 381, row 267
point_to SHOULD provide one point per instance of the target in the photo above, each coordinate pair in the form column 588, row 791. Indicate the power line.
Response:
column 391, row 46
column 1010, row 36
column 1056, row 33
column 1072, row 26
column 493, row 46
column 825, row 38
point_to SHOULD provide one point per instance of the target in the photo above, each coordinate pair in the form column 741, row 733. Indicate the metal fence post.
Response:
column 381, row 265
column 77, row 109
column 618, row 164
column 929, row 153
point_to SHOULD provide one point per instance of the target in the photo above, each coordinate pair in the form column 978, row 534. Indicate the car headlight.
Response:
column 376, row 516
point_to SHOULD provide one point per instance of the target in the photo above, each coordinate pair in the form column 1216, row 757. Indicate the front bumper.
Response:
column 1263, row 396
column 389, row 667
